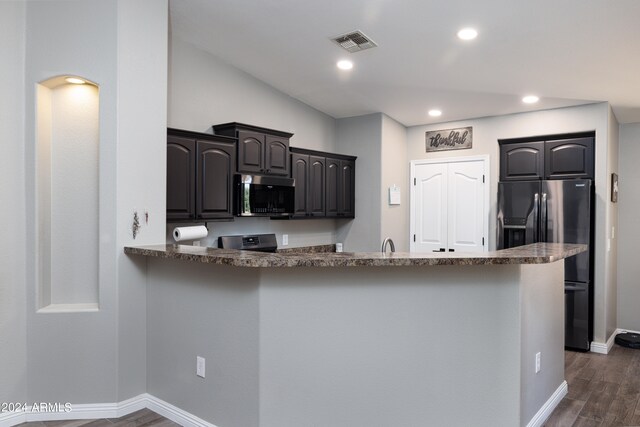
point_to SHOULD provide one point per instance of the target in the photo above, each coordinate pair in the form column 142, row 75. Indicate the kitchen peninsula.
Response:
column 358, row 339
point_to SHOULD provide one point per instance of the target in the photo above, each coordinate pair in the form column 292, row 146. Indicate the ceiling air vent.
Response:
column 354, row 41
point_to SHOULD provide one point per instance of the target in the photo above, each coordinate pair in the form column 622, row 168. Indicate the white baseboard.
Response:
column 605, row 348
column 621, row 331
column 8, row 419
column 545, row 411
column 601, row 347
column 107, row 410
column 175, row 414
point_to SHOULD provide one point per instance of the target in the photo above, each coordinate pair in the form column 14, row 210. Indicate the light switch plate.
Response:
column 200, row 366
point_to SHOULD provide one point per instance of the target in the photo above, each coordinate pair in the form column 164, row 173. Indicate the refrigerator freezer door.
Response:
column 518, row 207
column 576, row 320
column 565, row 212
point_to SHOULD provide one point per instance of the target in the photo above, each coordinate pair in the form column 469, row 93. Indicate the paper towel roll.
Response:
column 190, row 233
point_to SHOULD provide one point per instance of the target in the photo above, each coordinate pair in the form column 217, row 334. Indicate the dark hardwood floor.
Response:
column 604, row 390
column 143, row 417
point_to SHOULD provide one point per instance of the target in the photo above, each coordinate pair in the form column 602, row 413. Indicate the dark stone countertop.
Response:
column 537, row 253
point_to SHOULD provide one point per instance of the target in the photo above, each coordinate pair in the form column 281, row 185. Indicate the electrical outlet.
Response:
column 537, row 362
column 285, row 239
column 200, row 366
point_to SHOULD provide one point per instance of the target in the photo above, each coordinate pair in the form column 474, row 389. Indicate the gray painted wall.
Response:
column 77, row 357
column 487, row 131
column 629, row 228
column 383, row 354
column 13, row 327
column 211, row 312
column 142, row 120
column 542, row 304
column 71, row 356
column 362, row 136
column 379, row 354
column 204, row 91
column 394, row 171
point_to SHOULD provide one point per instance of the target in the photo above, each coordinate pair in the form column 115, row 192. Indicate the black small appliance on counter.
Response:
column 252, row 242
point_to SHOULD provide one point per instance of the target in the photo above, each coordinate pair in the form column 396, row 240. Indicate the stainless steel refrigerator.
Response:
column 555, row 211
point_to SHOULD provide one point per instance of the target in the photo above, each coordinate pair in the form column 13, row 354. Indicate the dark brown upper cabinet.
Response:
column 250, row 152
column 200, row 170
column 347, row 188
column 569, row 158
column 547, row 157
column 325, row 184
column 214, row 188
column 181, row 177
column 317, row 193
column 309, row 174
column 333, row 185
column 260, row 150
column 276, row 155
column 340, row 188
column 522, row 161
column 300, row 173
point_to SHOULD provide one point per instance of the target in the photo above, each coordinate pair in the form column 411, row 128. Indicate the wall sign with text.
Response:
column 449, row 139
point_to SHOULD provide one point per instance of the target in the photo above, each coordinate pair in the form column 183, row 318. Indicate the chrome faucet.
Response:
column 390, row 242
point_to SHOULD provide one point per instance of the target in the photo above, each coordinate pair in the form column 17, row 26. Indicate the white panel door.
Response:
column 449, row 206
column 466, row 208
column 430, row 207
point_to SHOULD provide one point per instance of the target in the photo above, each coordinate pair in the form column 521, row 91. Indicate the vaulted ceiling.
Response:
column 568, row 52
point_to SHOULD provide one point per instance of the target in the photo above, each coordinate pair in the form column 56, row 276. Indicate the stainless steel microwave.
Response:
column 258, row 195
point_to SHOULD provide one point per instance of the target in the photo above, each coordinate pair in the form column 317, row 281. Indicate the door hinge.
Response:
column 414, row 237
column 483, row 241
column 483, row 179
column 414, row 181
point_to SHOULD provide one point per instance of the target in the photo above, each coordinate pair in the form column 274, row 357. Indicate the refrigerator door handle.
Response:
column 535, row 212
column 543, row 219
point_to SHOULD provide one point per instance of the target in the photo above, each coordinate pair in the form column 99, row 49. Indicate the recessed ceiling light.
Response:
column 467, row 34
column 345, row 64
column 530, row 99
column 75, row 80
column 435, row 113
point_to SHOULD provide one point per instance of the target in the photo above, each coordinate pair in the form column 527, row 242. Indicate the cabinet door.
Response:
column 250, row 152
column 181, row 178
column 522, row 162
column 276, row 155
column 332, row 193
column 214, row 184
column 300, row 172
column 316, row 192
column 569, row 158
column 347, row 188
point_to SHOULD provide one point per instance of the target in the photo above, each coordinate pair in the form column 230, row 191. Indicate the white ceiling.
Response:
column 568, row 52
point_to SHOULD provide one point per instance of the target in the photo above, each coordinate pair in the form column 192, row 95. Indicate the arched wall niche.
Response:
column 67, row 192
